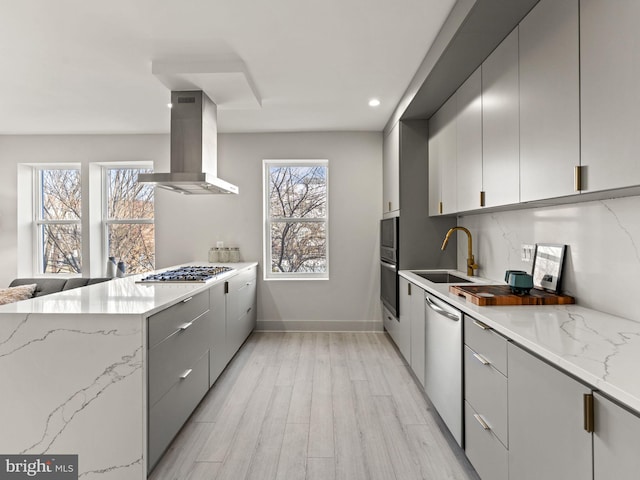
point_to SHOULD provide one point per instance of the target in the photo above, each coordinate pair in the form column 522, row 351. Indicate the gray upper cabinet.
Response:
column 549, row 100
column 500, row 124
column 443, row 159
column 615, row 441
column 391, row 170
column 547, row 438
column 610, row 68
column 469, row 143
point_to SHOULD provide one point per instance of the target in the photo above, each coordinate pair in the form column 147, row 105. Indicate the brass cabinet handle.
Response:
column 481, row 421
column 440, row 208
column 588, row 413
column 483, row 326
column 577, row 178
column 408, row 289
column 482, row 198
column 481, row 359
column 187, row 300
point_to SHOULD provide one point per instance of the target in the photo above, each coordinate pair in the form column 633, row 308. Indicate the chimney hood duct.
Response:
column 194, row 148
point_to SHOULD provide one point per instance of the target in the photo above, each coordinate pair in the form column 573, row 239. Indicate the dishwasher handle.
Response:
column 442, row 311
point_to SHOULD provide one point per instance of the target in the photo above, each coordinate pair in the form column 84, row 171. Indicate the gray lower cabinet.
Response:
column 547, row 438
column 168, row 415
column 178, row 368
column 417, row 360
column 615, row 441
column 240, row 308
column 402, row 334
column 486, row 409
column 218, row 355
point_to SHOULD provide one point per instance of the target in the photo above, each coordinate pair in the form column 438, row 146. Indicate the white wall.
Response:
column 603, row 256
column 83, row 149
column 187, row 226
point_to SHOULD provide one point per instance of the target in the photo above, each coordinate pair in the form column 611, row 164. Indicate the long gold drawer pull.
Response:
column 184, row 326
column 481, row 421
column 187, row 300
column 481, row 359
column 588, row 413
column 483, row 326
column 186, row 374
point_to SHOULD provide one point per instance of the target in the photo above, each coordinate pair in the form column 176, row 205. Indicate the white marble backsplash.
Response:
column 602, row 265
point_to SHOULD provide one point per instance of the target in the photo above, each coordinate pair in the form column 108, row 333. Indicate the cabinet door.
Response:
column 546, row 421
column 610, row 68
column 500, row 124
column 615, row 441
column 469, row 143
column 549, row 100
column 391, row 170
column 442, row 159
column 403, row 332
column 218, row 357
column 417, row 332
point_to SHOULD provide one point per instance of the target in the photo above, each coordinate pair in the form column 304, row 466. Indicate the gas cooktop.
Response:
column 195, row 273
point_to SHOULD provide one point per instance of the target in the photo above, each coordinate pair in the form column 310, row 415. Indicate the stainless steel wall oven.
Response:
column 389, row 264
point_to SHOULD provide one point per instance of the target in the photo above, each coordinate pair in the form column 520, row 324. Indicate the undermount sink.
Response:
column 442, row 277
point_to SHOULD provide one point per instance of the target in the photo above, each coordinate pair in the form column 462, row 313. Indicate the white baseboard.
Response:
column 319, row 326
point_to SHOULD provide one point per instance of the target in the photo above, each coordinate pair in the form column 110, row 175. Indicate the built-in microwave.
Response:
column 389, row 240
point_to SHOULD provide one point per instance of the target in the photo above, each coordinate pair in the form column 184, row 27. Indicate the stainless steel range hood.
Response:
column 194, row 148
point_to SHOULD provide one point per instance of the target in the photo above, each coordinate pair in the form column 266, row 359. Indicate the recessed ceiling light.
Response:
column 374, row 102
column 169, row 105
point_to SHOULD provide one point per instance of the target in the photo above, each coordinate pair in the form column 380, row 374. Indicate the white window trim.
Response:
column 266, row 237
column 37, row 249
column 105, row 220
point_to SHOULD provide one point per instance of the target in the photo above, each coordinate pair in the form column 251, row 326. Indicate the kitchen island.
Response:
column 74, row 367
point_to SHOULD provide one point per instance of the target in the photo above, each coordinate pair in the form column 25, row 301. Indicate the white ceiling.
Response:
column 84, row 66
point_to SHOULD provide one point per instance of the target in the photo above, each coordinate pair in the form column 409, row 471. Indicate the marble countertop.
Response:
column 120, row 296
column 600, row 349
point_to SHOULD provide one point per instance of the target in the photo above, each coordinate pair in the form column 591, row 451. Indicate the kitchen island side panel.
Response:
column 75, row 384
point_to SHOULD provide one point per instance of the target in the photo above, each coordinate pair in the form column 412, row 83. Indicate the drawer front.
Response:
column 485, row 452
column 390, row 323
column 168, row 415
column 485, row 388
column 172, row 357
column 166, row 322
column 242, row 278
column 485, row 341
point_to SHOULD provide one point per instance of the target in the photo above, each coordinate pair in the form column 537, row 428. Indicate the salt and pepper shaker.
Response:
column 121, row 269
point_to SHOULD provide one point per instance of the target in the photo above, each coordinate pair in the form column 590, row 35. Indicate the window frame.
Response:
column 268, row 275
column 105, row 221
column 37, row 222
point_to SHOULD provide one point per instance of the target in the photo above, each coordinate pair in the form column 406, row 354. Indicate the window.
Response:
column 128, row 219
column 296, row 219
column 58, row 237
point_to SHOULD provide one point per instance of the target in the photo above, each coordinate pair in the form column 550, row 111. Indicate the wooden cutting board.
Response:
column 483, row 295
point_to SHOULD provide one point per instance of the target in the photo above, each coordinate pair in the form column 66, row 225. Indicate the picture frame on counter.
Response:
column 548, row 261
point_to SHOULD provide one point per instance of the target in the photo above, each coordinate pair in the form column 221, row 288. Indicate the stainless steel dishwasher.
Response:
column 443, row 362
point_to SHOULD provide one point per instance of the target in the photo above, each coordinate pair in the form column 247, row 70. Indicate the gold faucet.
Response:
column 471, row 263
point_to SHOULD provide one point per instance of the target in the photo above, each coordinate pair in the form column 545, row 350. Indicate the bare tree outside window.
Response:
column 296, row 203
column 58, row 221
column 129, row 223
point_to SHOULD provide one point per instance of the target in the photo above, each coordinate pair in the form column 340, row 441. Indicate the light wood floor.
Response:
column 314, row 406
